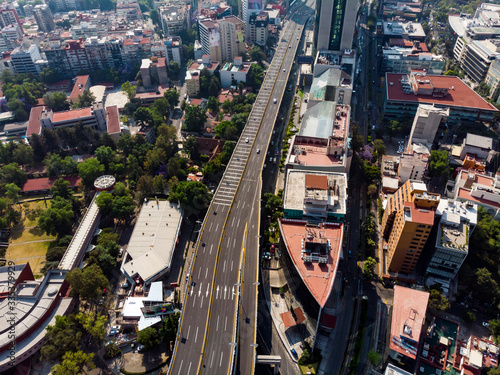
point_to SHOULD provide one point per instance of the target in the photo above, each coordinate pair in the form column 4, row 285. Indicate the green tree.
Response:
column 61, row 189
column 172, row 96
column 12, row 173
column 104, row 155
column 58, row 219
column 374, row 358
column 356, row 138
column 470, row 316
column 194, row 118
column 159, row 184
column 168, row 331
column 193, row 196
column 23, row 154
column 371, row 173
column 227, row 130
column 148, row 337
column 393, row 128
column 213, row 104
column 89, row 170
column 61, row 338
column 437, row 301
column 129, row 89
column 12, row 192
column 486, row 287
column 49, row 76
column 56, row 166
column 89, row 284
column 122, row 207
column 73, row 363
column 56, row 101
column 85, row 100
column 273, row 205
column 143, row 116
column 190, row 146
column 18, row 108
column 105, row 202
column 155, row 17
column 174, row 68
column 256, row 54
column 111, row 350
column 438, row 164
column 93, row 324
column 379, row 148
column 369, row 267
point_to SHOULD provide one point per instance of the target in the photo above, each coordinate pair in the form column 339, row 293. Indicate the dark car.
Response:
column 294, row 353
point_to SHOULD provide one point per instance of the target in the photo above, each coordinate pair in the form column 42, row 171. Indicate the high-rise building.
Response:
column 406, row 224
column 232, row 38
column 44, row 18
column 335, row 23
column 209, row 35
column 259, row 28
column 24, row 60
column 426, row 123
column 9, row 17
column 247, row 8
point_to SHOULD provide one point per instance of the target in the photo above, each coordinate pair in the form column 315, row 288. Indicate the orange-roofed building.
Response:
column 404, row 92
column 408, row 318
column 82, row 83
column 406, row 225
column 312, row 253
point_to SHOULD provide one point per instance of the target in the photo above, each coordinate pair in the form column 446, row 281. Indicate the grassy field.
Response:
column 28, row 243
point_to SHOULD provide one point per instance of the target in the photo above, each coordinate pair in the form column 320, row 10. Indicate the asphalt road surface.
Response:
column 227, row 251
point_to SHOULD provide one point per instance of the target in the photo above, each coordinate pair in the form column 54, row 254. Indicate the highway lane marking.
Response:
column 196, row 335
column 180, row 368
column 187, row 336
column 224, row 270
column 234, row 218
column 201, row 304
column 234, row 243
column 232, row 298
column 232, row 266
column 212, row 360
column 225, row 324
column 217, row 328
column 237, row 205
column 225, row 291
column 206, row 294
column 199, row 271
column 199, row 290
column 206, row 272
column 220, row 362
column 194, row 300
column 238, row 220
column 189, row 368
column 217, row 292
column 217, row 228
column 211, row 247
column 211, row 227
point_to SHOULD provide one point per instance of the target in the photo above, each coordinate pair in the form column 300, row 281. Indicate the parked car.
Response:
column 115, row 328
column 113, row 332
column 125, row 285
column 294, row 353
column 272, row 248
column 486, row 324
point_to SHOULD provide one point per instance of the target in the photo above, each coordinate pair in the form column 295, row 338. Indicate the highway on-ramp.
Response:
column 211, row 338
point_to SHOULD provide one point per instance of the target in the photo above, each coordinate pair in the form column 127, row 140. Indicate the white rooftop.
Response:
column 462, row 209
column 132, row 306
column 153, row 240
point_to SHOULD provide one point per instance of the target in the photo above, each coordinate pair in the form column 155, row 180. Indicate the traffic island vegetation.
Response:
column 359, row 338
column 309, row 360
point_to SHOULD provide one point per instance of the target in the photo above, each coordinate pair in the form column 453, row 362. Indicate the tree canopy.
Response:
column 438, row 163
column 56, row 101
column 194, row 118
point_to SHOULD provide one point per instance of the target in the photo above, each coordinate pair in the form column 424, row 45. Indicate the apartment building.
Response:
column 128, row 9
column 24, row 60
column 426, row 123
column 174, row 18
column 170, row 48
column 406, row 224
column 247, row 9
column 44, row 18
column 477, row 58
column 9, row 17
column 456, row 224
column 232, row 38
column 259, row 28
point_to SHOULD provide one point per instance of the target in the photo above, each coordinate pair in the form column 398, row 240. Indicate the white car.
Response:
column 246, row 140
column 486, row 324
column 284, row 70
column 274, row 100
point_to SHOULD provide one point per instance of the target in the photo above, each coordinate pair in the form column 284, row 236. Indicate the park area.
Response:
column 28, row 243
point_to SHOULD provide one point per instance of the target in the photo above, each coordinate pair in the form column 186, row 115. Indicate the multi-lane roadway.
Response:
column 218, row 325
